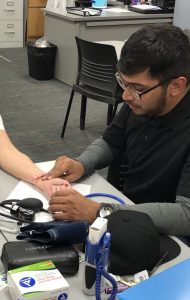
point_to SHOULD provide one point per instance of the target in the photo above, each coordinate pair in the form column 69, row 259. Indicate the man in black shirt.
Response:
column 151, row 132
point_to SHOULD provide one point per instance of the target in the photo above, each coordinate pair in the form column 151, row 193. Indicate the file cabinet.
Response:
column 11, row 23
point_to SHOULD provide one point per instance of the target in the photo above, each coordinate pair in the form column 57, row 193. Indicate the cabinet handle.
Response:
column 10, row 25
column 10, row 3
column 9, row 10
column 9, row 32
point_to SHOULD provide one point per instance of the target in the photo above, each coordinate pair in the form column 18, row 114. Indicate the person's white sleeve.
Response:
column 169, row 218
column 2, row 127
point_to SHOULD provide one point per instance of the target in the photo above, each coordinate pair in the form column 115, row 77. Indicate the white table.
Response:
column 98, row 185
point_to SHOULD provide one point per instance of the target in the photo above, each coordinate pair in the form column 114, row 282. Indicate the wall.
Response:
column 181, row 14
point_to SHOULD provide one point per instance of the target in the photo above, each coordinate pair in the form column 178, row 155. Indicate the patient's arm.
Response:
column 21, row 166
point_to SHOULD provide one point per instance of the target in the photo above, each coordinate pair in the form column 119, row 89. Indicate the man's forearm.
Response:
column 97, row 156
column 169, row 218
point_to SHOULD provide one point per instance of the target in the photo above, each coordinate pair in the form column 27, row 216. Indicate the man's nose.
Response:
column 127, row 96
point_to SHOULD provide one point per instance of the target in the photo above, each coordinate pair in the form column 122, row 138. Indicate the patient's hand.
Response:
column 50, row 186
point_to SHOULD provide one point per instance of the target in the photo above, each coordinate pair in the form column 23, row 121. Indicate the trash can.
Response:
column 41, row 61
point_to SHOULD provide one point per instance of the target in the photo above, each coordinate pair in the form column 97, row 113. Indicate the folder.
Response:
column 171, row 284
column 145, row 9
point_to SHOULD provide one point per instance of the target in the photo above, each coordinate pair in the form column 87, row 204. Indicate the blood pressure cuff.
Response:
column 59, row 232
column 21, row 253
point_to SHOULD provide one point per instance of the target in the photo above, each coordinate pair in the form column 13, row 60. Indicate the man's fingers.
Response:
column 56, row 208
column 69, row 177
column 39, row 175
column 60, row 196
column 60, row 216
column 46, row 176
column 53, row 173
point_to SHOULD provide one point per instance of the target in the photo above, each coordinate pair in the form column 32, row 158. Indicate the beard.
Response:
column 154, row 108
column 159, row 105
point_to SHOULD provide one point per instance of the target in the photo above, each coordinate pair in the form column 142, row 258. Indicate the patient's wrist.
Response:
column 38, row 183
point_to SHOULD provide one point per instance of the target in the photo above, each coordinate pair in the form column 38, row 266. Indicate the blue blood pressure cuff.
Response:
column 46, row 241
column 56, row 232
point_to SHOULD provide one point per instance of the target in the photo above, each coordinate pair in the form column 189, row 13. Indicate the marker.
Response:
column 120, row 289
column 158, row 264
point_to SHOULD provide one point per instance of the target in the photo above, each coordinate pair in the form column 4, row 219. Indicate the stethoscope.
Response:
column 29, row 206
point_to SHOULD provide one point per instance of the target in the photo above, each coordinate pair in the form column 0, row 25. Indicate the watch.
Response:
column 105, row 210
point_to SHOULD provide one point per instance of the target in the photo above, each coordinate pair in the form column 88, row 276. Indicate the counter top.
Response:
column 108, row 14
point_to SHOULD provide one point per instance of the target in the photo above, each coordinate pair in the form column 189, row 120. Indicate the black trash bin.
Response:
column 41, row 61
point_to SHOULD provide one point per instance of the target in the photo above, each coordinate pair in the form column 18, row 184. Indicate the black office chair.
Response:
column 95, row 79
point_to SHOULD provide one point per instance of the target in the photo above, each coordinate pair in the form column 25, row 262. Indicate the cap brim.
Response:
column 167, row 244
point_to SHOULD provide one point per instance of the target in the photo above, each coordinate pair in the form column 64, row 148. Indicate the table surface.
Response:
column 98, row 184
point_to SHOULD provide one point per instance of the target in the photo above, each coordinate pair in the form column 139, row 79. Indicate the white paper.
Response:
column 26, row 190
column 84, row 189
column 145, row 7
column 117, row 9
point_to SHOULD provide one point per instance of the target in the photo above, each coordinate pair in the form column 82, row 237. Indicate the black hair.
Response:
column 164, row 50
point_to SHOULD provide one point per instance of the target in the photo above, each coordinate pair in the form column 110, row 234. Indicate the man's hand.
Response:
column 71, row 205
column 49, row 187
column 64, row 166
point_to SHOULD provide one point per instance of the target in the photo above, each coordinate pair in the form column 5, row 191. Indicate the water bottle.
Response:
column 99, row 3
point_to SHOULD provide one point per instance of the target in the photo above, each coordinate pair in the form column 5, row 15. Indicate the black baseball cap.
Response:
column 136, row 244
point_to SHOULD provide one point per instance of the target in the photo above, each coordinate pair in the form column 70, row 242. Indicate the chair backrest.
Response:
column 97, row 66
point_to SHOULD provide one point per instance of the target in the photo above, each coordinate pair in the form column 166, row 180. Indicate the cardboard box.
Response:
column 40, row 281
column 3, row 281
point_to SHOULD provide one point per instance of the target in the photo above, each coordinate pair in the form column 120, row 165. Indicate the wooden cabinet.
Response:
column 35, row 20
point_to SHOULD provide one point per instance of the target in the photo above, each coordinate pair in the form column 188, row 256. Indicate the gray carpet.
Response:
column 33, row 112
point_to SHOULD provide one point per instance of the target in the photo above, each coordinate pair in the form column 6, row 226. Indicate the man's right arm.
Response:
column 97, row 156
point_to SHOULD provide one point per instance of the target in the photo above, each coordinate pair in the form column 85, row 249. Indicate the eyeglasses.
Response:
column 84, row 11
column 135, row 93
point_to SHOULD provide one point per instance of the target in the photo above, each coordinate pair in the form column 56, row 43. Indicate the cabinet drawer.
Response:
column 37, row 3
column 11, row 31
column 11, row 9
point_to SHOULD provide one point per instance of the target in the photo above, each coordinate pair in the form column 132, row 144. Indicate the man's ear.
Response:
column 178, row 86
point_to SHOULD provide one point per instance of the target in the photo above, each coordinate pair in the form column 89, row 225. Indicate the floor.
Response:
column 33, row 112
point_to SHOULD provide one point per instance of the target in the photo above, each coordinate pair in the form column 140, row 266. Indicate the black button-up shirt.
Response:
column 157, row 150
